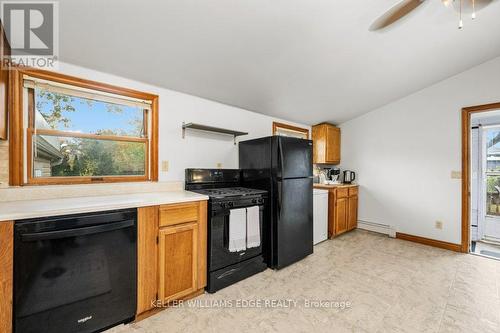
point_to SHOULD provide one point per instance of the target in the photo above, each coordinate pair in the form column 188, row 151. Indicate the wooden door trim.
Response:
column 466, row 115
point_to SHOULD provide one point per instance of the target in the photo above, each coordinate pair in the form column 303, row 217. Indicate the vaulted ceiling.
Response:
column 303, row 60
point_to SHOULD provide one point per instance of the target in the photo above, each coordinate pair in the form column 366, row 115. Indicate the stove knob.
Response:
column 254, row 201
column 231, row 204
column 223, row 205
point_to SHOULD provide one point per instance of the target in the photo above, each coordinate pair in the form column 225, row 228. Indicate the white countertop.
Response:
column 16, row 210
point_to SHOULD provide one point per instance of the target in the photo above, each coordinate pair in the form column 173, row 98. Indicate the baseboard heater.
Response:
column 377, row 227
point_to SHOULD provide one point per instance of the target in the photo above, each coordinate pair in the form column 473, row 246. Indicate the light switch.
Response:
column 164, row 166
column 456, row 175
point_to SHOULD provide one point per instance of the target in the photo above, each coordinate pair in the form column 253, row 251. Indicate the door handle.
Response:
column 76, row 232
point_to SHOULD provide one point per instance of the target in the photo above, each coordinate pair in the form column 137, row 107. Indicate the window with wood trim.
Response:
column 79, row 131
column 290, row 130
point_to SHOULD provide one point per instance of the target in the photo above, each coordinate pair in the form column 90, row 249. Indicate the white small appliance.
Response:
column 320, row 215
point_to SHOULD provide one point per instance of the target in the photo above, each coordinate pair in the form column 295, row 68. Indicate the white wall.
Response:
column 405, row 151
column 197, row 149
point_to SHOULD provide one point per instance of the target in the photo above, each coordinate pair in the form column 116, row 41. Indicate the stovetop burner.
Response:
column 227, row 192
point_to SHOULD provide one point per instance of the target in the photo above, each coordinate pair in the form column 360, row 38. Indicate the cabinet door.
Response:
column 341, row 215
column 178, row 261
column 332, row 144
column 352, row 220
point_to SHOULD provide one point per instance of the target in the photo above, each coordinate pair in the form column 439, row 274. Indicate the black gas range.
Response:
column 222, row 186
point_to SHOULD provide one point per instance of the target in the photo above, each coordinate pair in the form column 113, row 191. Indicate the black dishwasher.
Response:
column 75, row 273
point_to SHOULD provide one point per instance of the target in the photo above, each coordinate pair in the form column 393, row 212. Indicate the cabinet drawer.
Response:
column 353, row 190
column 178, row 213
column 342, row 192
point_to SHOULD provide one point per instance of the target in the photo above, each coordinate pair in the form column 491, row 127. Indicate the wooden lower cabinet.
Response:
column 178, row 261
column 6, row 275
column 172, row 253
column 342, row 210
column 340, row 215
column 147, row 255
column 352, row 215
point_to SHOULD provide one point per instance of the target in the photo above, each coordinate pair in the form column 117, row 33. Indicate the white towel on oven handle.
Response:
column 253, row 226
column 237, row 229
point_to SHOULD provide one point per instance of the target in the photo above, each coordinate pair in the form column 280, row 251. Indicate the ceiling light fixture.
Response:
column 461, row 22
column 403, row 7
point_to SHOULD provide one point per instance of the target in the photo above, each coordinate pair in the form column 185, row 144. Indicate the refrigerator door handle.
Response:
column 279, row 198
column 281, row 161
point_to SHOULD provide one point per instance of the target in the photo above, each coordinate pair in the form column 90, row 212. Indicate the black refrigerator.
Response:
column 283, row 167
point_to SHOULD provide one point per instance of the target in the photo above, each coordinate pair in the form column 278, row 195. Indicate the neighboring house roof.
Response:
column 48, row 147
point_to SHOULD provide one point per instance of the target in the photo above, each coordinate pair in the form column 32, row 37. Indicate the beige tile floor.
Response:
column 392, row 286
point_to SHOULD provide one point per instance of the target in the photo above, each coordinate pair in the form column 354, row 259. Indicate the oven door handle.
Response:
column 31, row 237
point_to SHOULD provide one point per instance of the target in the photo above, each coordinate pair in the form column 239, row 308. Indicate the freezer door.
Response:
column 294, row 221
column 294, row 157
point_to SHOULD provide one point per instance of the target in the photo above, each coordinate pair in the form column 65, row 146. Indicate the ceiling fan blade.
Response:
column 395, row 13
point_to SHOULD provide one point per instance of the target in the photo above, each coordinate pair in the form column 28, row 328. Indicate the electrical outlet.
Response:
column 456, row 175
column 164, row 166
column 439, row 225
column 219, row 165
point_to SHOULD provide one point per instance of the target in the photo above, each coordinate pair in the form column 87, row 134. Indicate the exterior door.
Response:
column 178, row 261
column 490, row 228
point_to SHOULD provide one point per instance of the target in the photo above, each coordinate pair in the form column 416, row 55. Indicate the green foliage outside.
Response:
column 89, row 157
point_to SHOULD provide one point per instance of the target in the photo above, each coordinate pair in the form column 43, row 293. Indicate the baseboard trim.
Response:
column 377, row 227
column 430, row 242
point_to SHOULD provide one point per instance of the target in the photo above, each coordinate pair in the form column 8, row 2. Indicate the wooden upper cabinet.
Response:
column 178, row 261
column 326, row 144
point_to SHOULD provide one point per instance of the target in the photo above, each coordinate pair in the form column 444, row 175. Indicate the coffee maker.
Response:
column 332, row 174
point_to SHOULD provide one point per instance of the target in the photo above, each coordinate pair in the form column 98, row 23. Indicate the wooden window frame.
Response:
column 18, row 135
column 277, row 125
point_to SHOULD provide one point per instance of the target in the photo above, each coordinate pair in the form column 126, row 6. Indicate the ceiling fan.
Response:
column 404, row 7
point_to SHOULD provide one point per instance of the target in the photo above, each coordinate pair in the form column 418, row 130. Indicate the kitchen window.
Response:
column 80, row 131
